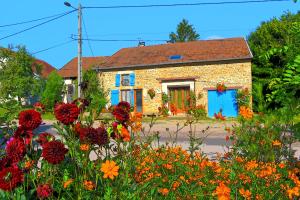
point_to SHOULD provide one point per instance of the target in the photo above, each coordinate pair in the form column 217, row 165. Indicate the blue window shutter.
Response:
column 118, row 80
column 114, row 98
column 132, row 79
column 132, row 97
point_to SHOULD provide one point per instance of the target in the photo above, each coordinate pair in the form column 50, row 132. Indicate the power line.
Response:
column 183, row 4
column 30, row 21
column 52, row 47
column 32, row 27
column 85, row 30
column 119, row 40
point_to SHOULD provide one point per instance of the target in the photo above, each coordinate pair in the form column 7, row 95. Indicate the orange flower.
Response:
column 89, row 185
column 293, row 192
column 175, row 185
column 239, row 159
column 110, row 169
column 84, row 147
column 168, row 166
column 246, row 112
column 276, row 143
column 125, row 134
column 245, row 193
column 68, row 182
column 163, row 191
column 281, row 165
column 28, row 164
column 251, row 165
column 222, row 191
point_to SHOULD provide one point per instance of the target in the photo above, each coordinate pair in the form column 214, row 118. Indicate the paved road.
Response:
column 213, row 138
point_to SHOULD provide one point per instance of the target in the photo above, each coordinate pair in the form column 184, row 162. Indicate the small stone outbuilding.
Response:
column 176, row 69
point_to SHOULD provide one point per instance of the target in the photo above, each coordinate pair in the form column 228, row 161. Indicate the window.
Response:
column 175, row 57
column 125, row 79
column 125, row 95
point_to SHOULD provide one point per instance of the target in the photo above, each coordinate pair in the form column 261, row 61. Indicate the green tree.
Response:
column 274, row 45
column 185, row 32
column 53, row 90
column 17, row 77
column 93, row 92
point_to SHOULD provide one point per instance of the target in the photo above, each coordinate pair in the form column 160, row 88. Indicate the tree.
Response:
column 53, row 90
column 274, row 45
column 93, row 92
column 185, row 32
column 17, row 78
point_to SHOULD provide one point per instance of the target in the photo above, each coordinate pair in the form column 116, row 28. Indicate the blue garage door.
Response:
column 225, row 101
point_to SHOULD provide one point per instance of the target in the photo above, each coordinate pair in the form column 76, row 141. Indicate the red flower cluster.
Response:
column 10, row 178
column 94, row 136
column 221, row 87
column 15, row 150
column 39, row 107
column 30, row 119
column 5, row 162
column 44, row 138
column 23, row 134
column 121, row 112
column 66, row 113
column 54, row 152
column 44, row 191
column 219, row 116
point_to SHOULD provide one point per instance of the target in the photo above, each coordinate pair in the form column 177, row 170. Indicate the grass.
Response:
column 48, row 116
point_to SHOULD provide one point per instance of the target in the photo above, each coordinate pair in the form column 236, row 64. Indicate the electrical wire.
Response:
column 85, row 30
column 183, row 4
column 30, row 21
column 32, row 27
column 117, row 40
column 52, row 47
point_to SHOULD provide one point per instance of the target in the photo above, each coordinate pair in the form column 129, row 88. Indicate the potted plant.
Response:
column 151, row 93
column 221, row 87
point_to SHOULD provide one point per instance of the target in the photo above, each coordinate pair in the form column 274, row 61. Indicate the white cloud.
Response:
column 214, row 37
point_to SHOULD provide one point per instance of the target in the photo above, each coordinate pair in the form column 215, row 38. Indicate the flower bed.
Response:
column 125, row 167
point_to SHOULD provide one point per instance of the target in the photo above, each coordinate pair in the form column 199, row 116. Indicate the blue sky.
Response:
column 214, row 21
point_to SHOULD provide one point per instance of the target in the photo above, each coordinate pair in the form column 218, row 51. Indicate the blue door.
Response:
column 225, row 101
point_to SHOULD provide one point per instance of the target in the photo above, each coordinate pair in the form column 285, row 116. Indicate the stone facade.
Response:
column 234, row 74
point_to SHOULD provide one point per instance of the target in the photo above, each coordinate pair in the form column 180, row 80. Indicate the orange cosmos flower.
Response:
column 110, row 169
column 84, row 147
column 222, row 191
column 276, row 143
column 125, row 134
column 89, row 185
column 251, row 165
column 163, row 191
column 281, row 165
column 245, row 193
column 68, row 182
column 293, row 192
column 28, row 164
column 246, row 112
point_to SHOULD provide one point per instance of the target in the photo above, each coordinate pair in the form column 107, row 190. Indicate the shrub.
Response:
column 198, row 112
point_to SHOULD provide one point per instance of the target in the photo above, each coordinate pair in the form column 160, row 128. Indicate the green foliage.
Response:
column 93, row 92
column 185, row 32
column 275, row 44
column 259, row 103
column 17, row 78
column 243, row 97
column 164, row 98
column 198, row 112
column 53, row 90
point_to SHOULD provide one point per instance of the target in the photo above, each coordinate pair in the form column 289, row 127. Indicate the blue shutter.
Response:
column 132, row 97
column 118, row 80
column 132, row 79
column 114, row 98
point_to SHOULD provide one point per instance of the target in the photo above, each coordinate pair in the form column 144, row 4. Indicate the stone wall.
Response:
column 206, row 76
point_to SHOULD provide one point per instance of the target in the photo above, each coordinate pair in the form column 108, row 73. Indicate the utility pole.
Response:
column 79, row 79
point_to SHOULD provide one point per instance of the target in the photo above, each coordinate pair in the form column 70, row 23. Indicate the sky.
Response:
column 210, row 21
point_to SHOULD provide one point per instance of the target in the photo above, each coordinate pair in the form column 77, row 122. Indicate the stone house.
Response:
column 177, row 70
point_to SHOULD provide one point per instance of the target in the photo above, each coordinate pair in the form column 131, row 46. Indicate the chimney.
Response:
column 141, row 44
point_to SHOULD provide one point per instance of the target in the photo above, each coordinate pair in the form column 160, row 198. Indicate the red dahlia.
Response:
column 54, row 152
column 120, row 114
column 24, row 134
column 5, row 162
column 44, row 138
column 124, row 105
column 15, row 150
column 10, row 178
column 94, row 136
column 30, row 119
column 66, row 113
column 44, row 191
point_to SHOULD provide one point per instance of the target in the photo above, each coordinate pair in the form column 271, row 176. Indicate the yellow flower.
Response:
column 84, row 147
column 68, row 182
column 110, row 169
column 88, row 185
column 276, row 143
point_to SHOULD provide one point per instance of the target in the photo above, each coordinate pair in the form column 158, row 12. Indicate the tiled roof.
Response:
column 187, row 52
column 46, row 67
column 69, row 70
